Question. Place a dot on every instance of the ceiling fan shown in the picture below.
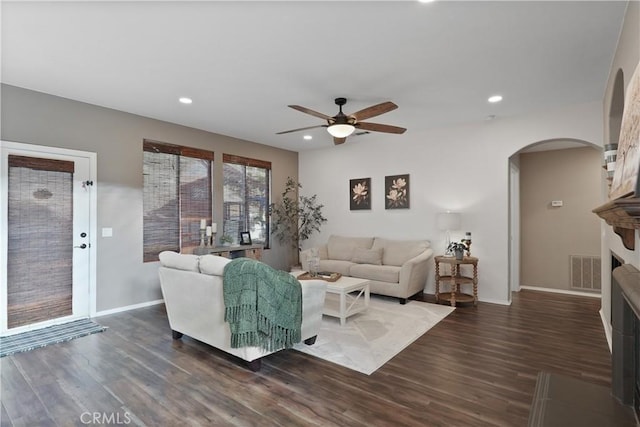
(341, 125)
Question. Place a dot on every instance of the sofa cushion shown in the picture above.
(382, 273)
(335, 266)
(397, 252)
(213, 264)
(178, 261)
(341, 247)
(367, 256)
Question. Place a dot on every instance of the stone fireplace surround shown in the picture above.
(625, 322)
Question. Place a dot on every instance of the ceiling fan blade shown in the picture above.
(374, 110)
(338, 141)
(299, 129)
(308, 111)
(377, 127)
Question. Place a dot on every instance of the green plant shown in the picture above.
(457, 247)
(295, 218)
(226, 239)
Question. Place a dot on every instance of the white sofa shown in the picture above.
(192, 290)
(396, 268)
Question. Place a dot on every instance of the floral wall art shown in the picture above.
(360, 194)
(396, 192)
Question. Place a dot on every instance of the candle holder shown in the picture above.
(467, 241)
(202, 233)
(213, 239)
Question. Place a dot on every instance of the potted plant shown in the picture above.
(295, 218)
(226, 240)
(457, 248)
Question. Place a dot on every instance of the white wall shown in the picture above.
(463, 168)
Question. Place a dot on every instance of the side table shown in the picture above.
(455, 278)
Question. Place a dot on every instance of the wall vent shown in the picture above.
(585, 273)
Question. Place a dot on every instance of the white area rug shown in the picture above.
(370, 339)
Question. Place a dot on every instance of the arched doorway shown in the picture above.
(551, 226)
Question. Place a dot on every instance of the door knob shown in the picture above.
(82, 246)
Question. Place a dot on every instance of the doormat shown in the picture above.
(51, 335)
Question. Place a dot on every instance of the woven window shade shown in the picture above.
(177, 195)
(195, 199)
(160, 204)
(40, 207)
(246, 197)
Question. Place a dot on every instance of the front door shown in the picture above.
(46, 194)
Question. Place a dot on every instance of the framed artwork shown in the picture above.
(360, 194)
(625, 177)
(245, 238)
(396, 192)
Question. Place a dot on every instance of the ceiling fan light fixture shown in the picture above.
(341, 130)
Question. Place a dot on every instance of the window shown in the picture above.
(246, 198)
(177, 195)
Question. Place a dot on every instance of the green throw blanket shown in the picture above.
(262, 305)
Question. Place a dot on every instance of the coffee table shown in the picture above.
(352, 297)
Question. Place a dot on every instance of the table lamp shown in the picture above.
(448, 221)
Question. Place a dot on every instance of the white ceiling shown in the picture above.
(243, 62)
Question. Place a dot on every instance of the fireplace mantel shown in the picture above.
(624, 216)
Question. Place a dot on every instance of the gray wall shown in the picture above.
(549, 235)
(122, 278)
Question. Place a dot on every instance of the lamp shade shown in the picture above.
(340, 130)
(449, 221)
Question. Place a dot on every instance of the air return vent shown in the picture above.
(585, 273)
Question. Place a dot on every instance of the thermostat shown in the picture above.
(556, 203)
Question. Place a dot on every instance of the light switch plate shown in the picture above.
(107, 232)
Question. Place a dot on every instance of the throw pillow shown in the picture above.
(367, 256)
(213, 265)
(178, 261)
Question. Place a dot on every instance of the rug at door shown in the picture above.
(51, 335)
(372, 338)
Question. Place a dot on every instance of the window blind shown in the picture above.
(246, 197)
(40, 214)
(177, 195)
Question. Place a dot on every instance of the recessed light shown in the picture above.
(495, 98)
(185, 100)
(307, 137)
(426, 1)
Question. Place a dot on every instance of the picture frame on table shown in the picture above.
(245, 238)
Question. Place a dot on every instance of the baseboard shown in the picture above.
(495, 301)
(128, 307)
(608, 331)
(562, 291)
(432, 297)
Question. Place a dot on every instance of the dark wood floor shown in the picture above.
(478, 367)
